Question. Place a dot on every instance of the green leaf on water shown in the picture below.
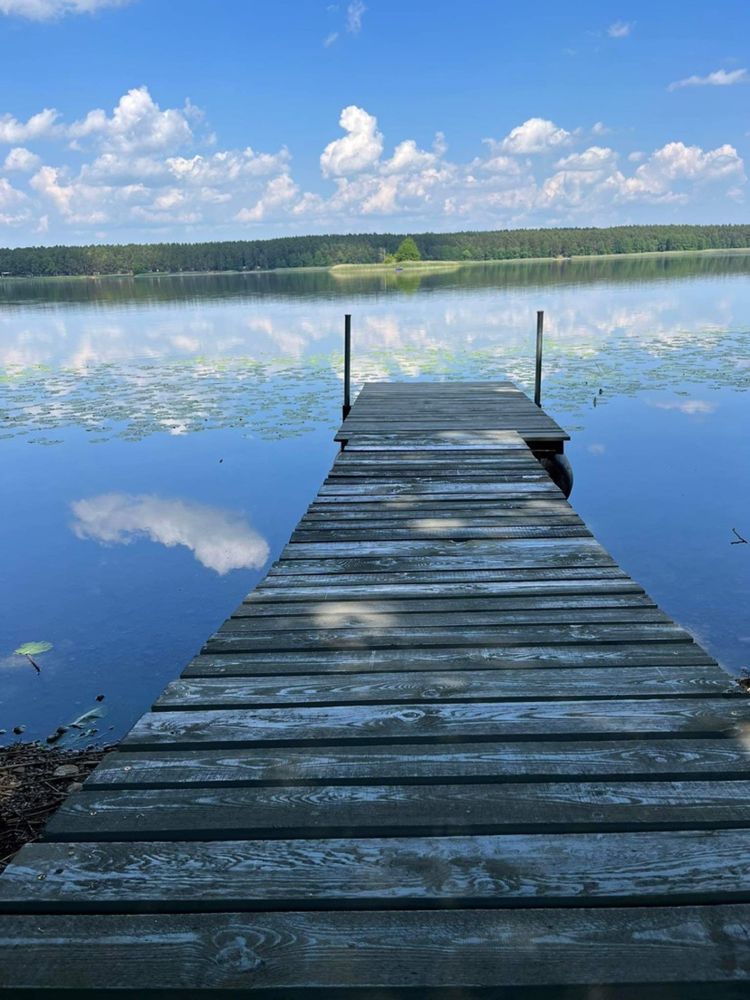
(33, 648)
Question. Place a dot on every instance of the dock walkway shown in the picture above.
(447, 748)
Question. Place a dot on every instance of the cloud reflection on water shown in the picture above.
(219, 539)
(269, 365)
(691, 407)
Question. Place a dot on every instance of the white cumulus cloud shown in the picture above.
(359, 148)
(280, 191)
(675, 161)
(137, 124)
(144, 170)
(535, 135)
(13, 204)
(37, 127)
(22, 160)
(408, 156)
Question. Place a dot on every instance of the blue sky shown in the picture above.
(153, 120)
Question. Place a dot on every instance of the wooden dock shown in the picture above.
(447, 748)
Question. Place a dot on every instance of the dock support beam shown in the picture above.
(347, 365)
(538, 371)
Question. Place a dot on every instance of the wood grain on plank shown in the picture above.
(672, 948)
(467, 762)
(239, 640)
(450, 533)
(596, 598)
(446, 685)
(528, 550)
(406, 593)
(226, 662)
(363, 619)
(571, 869)
(431, 580)
(298, 811)
(437, 721)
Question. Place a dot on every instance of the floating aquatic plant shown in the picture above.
(32, 649)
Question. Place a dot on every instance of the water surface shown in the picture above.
(161, 436)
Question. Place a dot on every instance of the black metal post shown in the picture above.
(347, 365)
(538, 373)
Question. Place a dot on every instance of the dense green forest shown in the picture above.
(126, 289)
(325, 251)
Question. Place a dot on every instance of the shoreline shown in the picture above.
(344, 270)
(36, 780)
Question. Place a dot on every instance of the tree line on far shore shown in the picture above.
(368, 248)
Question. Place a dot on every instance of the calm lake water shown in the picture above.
(161, 436)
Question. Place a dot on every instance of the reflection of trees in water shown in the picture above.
(22, 293)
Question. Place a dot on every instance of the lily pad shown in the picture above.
(33, 648)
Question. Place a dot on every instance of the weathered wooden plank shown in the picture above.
(443, 441)
(297, 811)
(438, 721)
(614, 656)
(571, 869)
(533, 435)
(352, 516)
(526, 549)
(394, 405)
(432, 480)
(413, 456)
(552, 760)
(389, 568)
(334, 610)
(453, 534)
(410, 410)
(484, 513)
(244, 639)
(375, 461)
(685, 953)
(340, 497)
(387, 515)
(511, 553)
(446, 685)
(470, 563)
(430, 420)
(426, 423)
(454, 574)
(530, 429)
(404, 592)
(363, 619)
(406, 397)
(468, 472)
(334, 492)
(493, 471)
(406, 400)
(447, 504)
(419, 420)
(480, 385)
(459, 527)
